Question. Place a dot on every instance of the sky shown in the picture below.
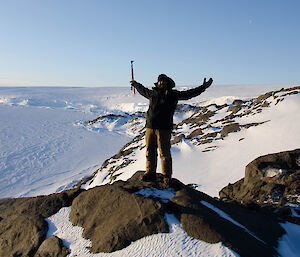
(90, 43)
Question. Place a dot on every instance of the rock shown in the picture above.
(206, 224)
(283, 160)
(113, 216)
(22, 226)
(237, 102)
(233, 127)
(236, 106)
(21, 234)
(262, 98)
(231, 191)
(177, 139)
(249, 125)
(284, 211)
(52, 247)
(198, 117)
(45, 205)
(271, 179)
(209, 135)
(196, 132)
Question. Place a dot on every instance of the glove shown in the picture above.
(208, 83)
(133, 82)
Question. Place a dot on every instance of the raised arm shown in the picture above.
(188, 94)
(141, 89)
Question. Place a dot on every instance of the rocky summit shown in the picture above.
(114, 215)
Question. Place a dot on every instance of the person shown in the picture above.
(163, 100)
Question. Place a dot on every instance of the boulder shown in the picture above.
(233, 127)
(22, 224)
(113, 216)
(52, 247)
(200, 217)
(271, 179)
(236, 106)
(195, 133)
(43, 205)
(21, 234)
(262, 98)
(288, 161)
(177, 139)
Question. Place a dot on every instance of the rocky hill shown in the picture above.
(202, 126)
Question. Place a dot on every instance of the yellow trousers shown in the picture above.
(161, 139)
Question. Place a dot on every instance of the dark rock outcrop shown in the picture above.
(199, 215)
(113, 215)
(236, 106)
(229, 128)
(22, 224)
(271, 179)
(21, 234)
(177, 139)
(52, 247)
(196, 132)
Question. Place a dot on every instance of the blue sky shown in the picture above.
(91, 43)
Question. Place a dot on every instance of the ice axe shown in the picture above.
(132, 77)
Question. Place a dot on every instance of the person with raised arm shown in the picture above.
(163, 100)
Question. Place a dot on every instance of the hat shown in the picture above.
(170, 82)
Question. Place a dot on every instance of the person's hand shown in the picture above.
(208, 83)
(132, 82)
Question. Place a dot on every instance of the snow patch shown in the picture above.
(273, 172)
(289, 245)
(130, 107)
(163, 195)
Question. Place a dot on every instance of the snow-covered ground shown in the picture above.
(42, 150)
(43, 147)
(46, 148)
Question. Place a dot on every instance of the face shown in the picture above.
(162, 83)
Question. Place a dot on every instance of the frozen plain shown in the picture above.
(43, 150)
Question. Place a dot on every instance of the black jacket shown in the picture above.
(163, 104)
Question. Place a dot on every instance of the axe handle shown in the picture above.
(132, 77)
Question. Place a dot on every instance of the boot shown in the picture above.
(148, 177)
